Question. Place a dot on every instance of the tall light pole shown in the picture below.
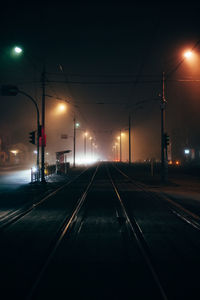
(163, 150)
(129, 138)
(74, 138)
(85, 143)
(43, 128)
(76, 125)
(120, 145)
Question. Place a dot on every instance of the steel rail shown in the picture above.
(177, 209)
(14, 216)
(139, 237)
(64, 229)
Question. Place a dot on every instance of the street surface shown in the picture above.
(103, 236)
(12, 178)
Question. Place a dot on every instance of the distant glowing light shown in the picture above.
(77, 125)
(34, 169)
(187, 151)
(188, 54)
(89, 159)
(86, 134)
(14, 152)
(35, 151)
(18, 50)
(177, 162)
(61, 107)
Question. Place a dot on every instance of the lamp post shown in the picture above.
(120, 145)
(76, 125)
(164, 161)
(129, 138)
(43, 129)
(85, 143)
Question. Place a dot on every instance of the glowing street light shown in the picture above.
(61, 107)
(76, 126)
(188, 54)
(18, 50)
(187, 151)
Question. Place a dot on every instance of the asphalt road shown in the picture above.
(44, 256)
(11, 178)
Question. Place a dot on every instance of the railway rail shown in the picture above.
(88, 241)
(14, 215)
(72, 227)
(177, 209)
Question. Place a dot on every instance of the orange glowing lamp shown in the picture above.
(188, 54)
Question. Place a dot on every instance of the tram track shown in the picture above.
(48, 244)
(99, 241)
(136, 231)
(65, 227)
(13, 216)
(177, 209)
(71, 231)
(183, 261)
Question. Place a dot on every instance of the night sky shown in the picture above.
(103, 59)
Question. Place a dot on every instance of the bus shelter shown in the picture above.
(62, 165)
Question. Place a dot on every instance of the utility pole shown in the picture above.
(129, 137)
(120, 141)
(85, 141)
(74, 154)
(163, 147)
(91, 146)
(43, 129)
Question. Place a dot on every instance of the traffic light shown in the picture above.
(32, 137)
(166, 140)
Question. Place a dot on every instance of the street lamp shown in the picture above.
(76, 125)
(18, 50)
(188, 54)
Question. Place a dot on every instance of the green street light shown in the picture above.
(18, 50)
